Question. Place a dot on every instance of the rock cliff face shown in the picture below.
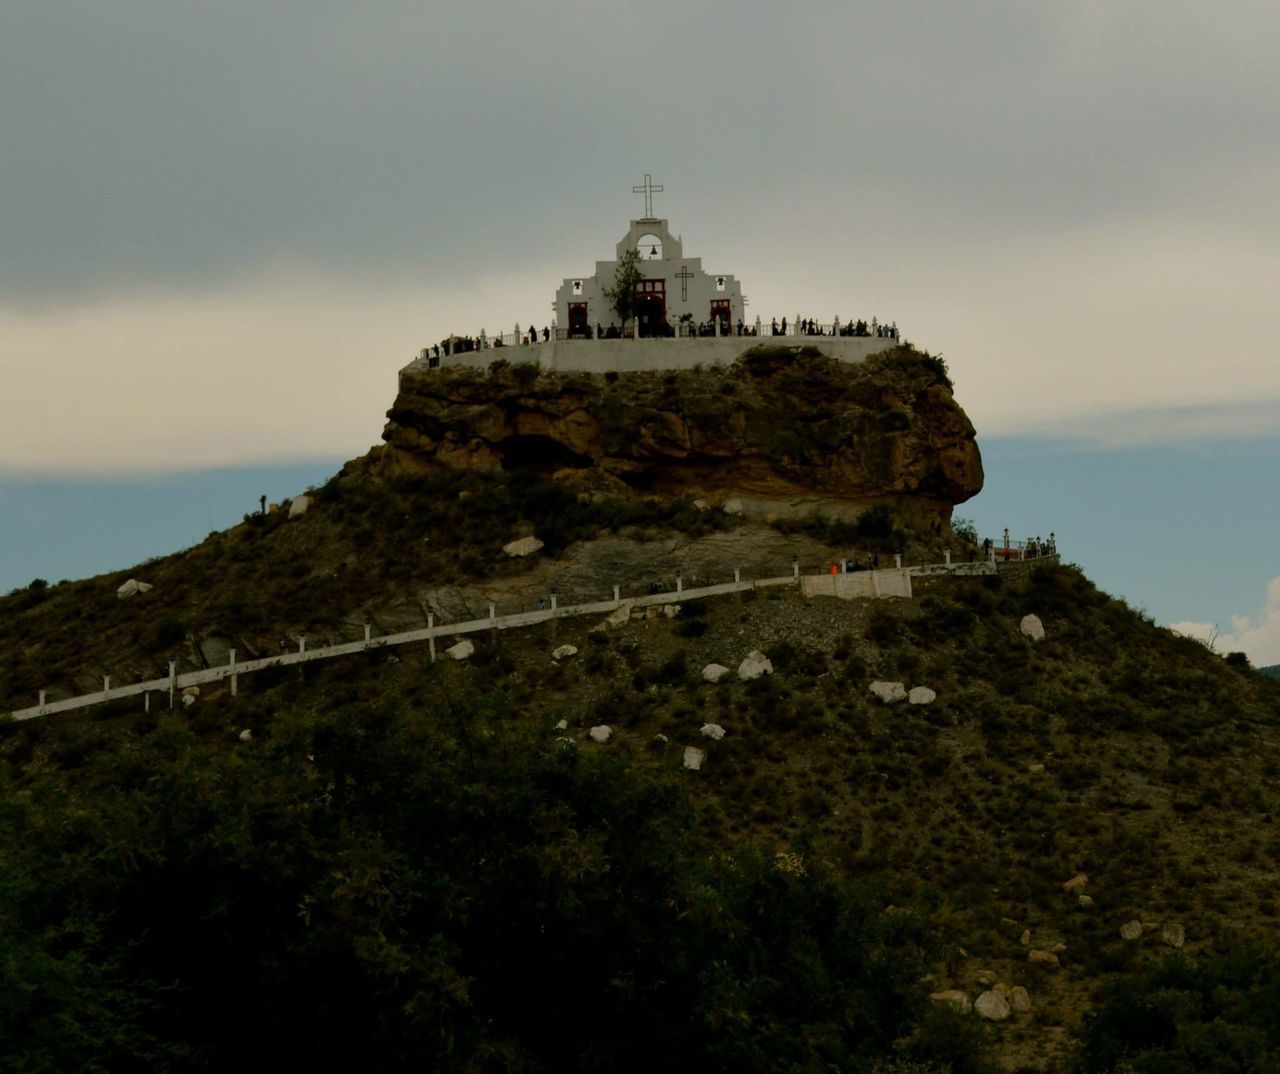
(783, 429)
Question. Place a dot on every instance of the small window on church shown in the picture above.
(719, 283)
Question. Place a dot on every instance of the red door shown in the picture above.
(651, 307)
(722, 311)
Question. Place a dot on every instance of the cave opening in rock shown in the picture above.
(539, 454)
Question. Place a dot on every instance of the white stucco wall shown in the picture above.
(691, 294)
(636, 355)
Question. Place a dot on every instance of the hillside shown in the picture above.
(406, 864)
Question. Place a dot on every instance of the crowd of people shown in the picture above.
(859, 328)
(1032, 548)
(687, 328)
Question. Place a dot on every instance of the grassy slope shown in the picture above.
(1160, 761)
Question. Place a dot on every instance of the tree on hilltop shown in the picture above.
(622, 295)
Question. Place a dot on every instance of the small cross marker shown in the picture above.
(684, 276)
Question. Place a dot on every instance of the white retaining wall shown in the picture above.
(858, 585)
(638, 355)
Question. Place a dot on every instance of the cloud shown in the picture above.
(199, 142)
(277, 368)
(1258, 636)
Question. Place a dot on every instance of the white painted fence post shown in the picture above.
(946, 556)
(493, 616)
(795, 567)
(679, 582)
(431, 625)
(553, 601)
(737, 576)
(146, 701)
(41, 702)
(235, 679)
(173, 681)
(368, 633)
(106, 687)
(617, 596)
(302, 643)
(897, 560)
(875, 583)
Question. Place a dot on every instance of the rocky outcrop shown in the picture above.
(781, 427)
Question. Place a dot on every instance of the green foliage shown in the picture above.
(937, 366)
(377, 889)
(1185, 1017)
(622, 295)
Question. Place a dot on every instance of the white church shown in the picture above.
(683, 317)
(674, 290)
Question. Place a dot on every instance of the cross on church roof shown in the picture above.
(648, 190)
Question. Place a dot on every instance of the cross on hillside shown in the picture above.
(648, 190)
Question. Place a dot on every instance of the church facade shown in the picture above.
(674, 290)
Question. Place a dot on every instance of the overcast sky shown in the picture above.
(223, 227)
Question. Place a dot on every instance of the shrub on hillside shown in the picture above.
(317, 900)
(1186, 1017)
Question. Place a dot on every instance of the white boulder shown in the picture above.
(463, 650)
(889, 691)
(1032, 628)
(715, 672)
(298, 506)
(188, 700)
(921, 695)
(246, 735)
(701, 505)
(562, 725)
(1020, 999)
(671, 610)
(992, 1006)
(713, 731)
(732, 507)
(525, 546)
(754, 665)
(693, 757)
(619, 617)
(563, 652)
(601, 732)
(1131, 930)
(132, 588)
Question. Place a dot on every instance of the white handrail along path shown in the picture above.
(894, 581)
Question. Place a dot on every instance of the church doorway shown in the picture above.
(651, 308)
(722, 311)
(578, 320)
